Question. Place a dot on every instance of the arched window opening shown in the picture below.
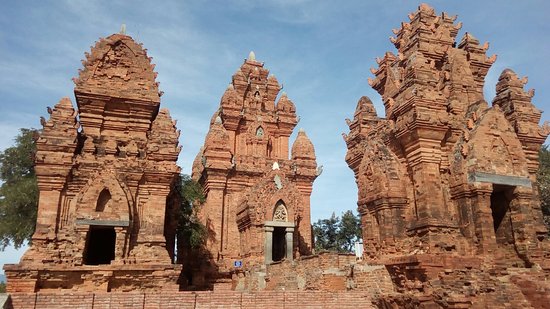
(280, 213)
(260, 132)
(103, 199)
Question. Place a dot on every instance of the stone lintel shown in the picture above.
(102, 222)
(279, 224)
(499, 179)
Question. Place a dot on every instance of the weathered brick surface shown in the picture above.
(259, 300)
(105, 173)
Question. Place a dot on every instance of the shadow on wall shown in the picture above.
(199, 266)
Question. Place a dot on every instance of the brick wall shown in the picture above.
(203, 299)
(328, 272)
(372, 278)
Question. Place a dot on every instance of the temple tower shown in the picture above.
(444, 172)
(105, 175)
(257, 206)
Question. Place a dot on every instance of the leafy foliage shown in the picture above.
(19, 191)
(325, 232)
(337, 234)
(349, 231)
(2, 287)
(543, 179)
(190, 230)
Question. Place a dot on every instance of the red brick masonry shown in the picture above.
(203, 299)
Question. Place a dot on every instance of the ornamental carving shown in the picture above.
(280, 213)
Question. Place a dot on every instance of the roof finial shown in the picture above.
(123, 29)
(252, 56)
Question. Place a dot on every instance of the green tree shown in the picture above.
(543, 179)
(325, 232)
(349, 231)
(191, 232)
(337, 234)
(2, 287)
(19, 191)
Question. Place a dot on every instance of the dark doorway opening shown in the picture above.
(279, 243)
(100, 245)
(501, 197)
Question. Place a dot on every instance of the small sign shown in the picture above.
(358, 250)
(238, 264)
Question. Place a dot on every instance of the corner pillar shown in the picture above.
(483, 221)
(120, 244)
(268, 252)
(289, 236)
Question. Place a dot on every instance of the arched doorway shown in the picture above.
(279, 235)
(501, 197)
(100, 245)
(279, 243)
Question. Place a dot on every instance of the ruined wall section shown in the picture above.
(326, 271)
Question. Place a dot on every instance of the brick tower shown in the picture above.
(443, 162)
(105, 175)
(445, 180)
(257, 206)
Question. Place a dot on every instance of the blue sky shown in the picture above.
(321, 51)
